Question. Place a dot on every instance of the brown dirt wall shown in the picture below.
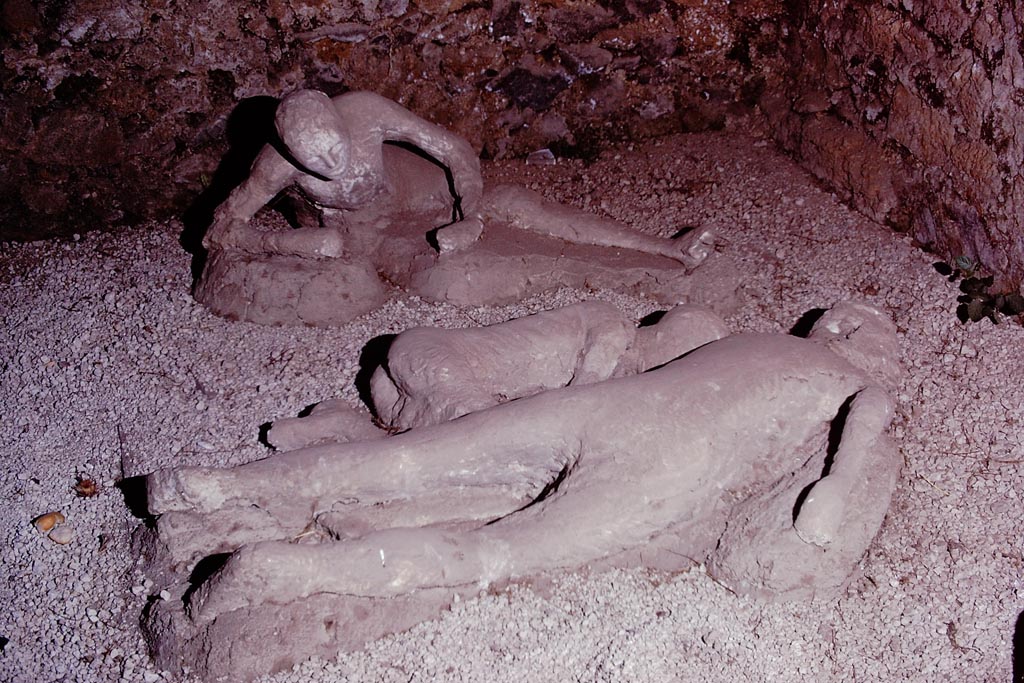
(114, 110)
(912, 110)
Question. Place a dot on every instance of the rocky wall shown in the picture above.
(912, 110)
(116, 110)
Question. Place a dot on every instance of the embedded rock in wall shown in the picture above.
(911, 111)
(117, 111)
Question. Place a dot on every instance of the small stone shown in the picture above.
(85, 487)
(62, 535)
(460, 235)
(541, 157)
(45, 523)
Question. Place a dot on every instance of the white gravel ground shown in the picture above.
(110, 369)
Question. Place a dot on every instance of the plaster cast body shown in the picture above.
(380, 179)
(718, 456)
(432, 375)
(337, 148)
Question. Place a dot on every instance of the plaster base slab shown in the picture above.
(505, 265)
(288, 290)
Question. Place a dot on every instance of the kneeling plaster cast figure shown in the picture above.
(765, 456)
(381, 181)
(334, 151)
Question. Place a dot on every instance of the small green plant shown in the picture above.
(965, 266)
(978, 301)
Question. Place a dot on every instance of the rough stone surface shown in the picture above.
(912, 110)
(766, 456)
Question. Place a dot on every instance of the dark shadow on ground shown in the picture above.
(264, 433)
(803, 326)
(133, 489)
(1018, 650)
(651, 319)
(835, 436)
(374, 354)
(250, 126)
(203, 570)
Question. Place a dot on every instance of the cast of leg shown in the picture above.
(331, 420)
(189, 536)
(476, 451)
(384, 563)
(306, 242)
(563, 531)
(530, 211)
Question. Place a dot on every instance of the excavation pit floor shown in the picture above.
(111, 370)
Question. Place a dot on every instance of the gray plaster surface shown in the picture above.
(112, 370)
(433, 374)
(763, 455)
(387, 201)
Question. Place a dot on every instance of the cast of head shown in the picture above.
(312, 130)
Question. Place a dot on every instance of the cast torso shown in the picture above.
(743, 409)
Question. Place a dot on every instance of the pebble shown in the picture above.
(62, 535)
(44, 523)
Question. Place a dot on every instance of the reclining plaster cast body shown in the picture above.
(336, 149)
(432, 374)
(720, 454)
